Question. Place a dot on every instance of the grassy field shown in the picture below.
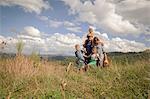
(128, 76)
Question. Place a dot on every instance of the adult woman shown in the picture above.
(99, 45)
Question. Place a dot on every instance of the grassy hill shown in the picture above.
(128, 76)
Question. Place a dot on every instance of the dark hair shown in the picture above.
(95, 39)
(87, 36)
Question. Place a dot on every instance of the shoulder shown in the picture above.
(86, 40)
(78, 52)
(92, 54)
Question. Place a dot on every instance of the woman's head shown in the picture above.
(96, 40)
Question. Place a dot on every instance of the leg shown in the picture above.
(86, 67)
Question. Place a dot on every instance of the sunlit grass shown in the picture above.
(128, 76)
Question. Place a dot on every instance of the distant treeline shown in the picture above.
(116, 55)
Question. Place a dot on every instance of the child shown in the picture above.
(99, 45)
(93, 57)
(91, 32)
(80, 59)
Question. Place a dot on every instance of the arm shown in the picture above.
(98, 56)
(84, 45)
(83, 50)
(101, 42)
(87, 56)
(103, 49)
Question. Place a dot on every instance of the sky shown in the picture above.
(55, 26)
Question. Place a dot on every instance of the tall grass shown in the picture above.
(127, 77)
(19, 47)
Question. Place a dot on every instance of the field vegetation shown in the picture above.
(128, 76)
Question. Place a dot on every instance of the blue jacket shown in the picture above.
(88, 46)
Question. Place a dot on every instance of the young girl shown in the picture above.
(94, 56)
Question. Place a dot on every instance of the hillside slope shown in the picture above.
(29, 77)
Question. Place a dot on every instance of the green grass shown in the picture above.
(128, 76)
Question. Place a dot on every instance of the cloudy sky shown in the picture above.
(55, 26)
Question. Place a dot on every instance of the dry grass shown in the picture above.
(28, 77)
(23, 71)
(20, 67)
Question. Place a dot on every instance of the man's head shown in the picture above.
(90, 37)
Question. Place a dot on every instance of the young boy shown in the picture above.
(80, 59)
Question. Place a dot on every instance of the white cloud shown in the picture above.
(137, 12)
(63, 44)
(31, 31)
(26, 37)
(28, 5)
(115, 16)
(59, 44)
(44, 18)
(68, 25)
(124, 45)
(74, 29)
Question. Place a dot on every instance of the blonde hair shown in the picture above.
(94, 48)
(90, 30)
(77, 45)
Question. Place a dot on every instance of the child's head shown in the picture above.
(90, 30)
(77, 47)
(94, 50)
